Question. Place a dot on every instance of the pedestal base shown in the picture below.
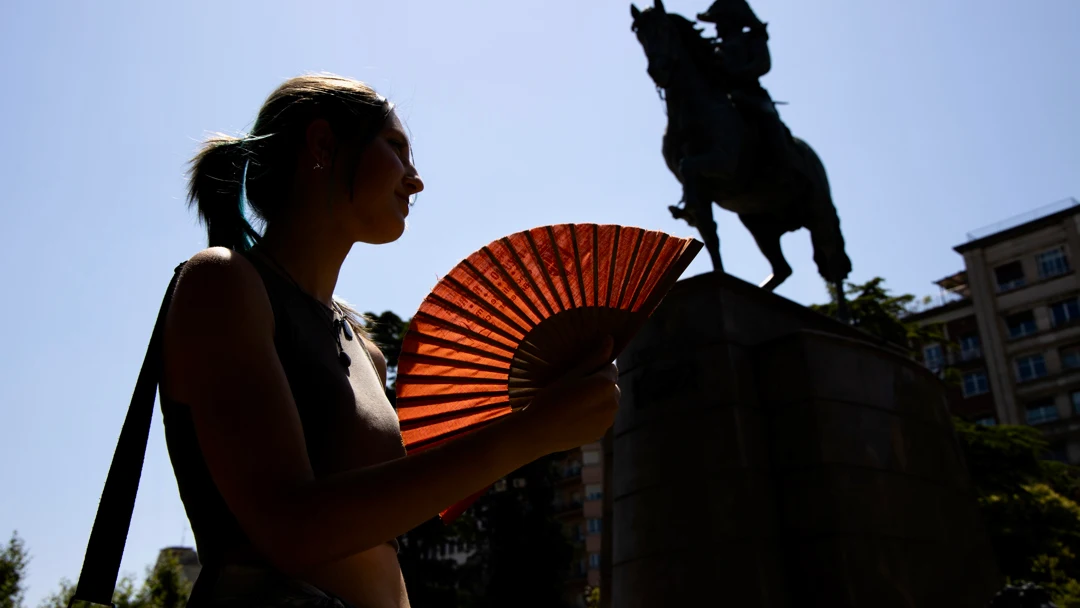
(765, 455)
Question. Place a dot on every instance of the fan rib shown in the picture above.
(528, 276)
(611, 264)
(671, 275)
(464, 331)
(448, 362)
(561, 267)
(596, 265)
(452, 345)
(648, 269)
(506, 300)
(542, 268)
(471, 316)
(577, 266)
(513, 284)
(527, 352)
(629, 268)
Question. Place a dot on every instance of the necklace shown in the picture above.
(339, 324)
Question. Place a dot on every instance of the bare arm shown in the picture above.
(220, 360)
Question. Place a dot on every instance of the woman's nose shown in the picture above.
(413, 183)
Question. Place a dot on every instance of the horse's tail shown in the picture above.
(824, 224)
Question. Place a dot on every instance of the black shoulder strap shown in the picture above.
(109, 535)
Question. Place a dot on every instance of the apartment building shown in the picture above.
(1012, 324)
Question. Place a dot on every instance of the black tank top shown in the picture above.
(326, 394)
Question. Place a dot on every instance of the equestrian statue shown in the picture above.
(726, 144)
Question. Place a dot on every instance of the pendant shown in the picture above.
(344, 358)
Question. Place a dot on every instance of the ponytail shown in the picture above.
(218, 173)
(258, 169)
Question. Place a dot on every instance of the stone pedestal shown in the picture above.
(765, 455)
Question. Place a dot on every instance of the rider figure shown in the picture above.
(743, 48)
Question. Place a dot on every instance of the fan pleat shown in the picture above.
(542, 296)
(431, 345)
(491, 296)
(613, 262)
(517, 314)
(463, 333)
(447, 363)
(513, 283)
(449, 429)
(511, 336)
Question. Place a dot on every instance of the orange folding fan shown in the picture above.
(521, 312)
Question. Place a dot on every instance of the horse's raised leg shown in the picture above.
(767, 233)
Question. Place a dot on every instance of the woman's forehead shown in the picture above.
(393, 123)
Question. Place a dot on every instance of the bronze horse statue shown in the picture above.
(712, 151)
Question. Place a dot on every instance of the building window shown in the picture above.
(987, 421)
(1009, 276)
(1070, 357)
(594, 491)
(1042, 412)
(1065, 312)
(596, 525)
(594, 561)
(500, 486)
(1030, 367)
(519, 482)
(970, 347)
(1052, 263)
(1021, 324)
(1075, 398)
(933, 357)
(591, 457)
(975, 383)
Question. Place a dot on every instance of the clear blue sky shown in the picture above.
(933, 118)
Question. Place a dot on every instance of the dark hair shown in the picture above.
(259, 166)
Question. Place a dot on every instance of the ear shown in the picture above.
(319, 140)
(659, 4)
(634, 12)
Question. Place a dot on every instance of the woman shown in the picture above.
(287, 454)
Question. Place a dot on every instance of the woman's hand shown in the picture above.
(576, 409)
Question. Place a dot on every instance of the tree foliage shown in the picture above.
(163, 587)
(13, 562)
(1028, 505)
(876, 311)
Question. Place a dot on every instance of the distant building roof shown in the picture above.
(1019, 224)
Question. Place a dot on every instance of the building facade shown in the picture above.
(1011, 322)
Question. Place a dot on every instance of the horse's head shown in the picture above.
(660, 40)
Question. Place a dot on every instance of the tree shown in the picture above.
(526, 558)
(387, 331)
(1028, 505)
(877, 312)
(13, 562)
(164, 587)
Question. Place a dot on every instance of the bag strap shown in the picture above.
(101, 565)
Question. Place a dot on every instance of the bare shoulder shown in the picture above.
(216, 280)
(219, 308)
